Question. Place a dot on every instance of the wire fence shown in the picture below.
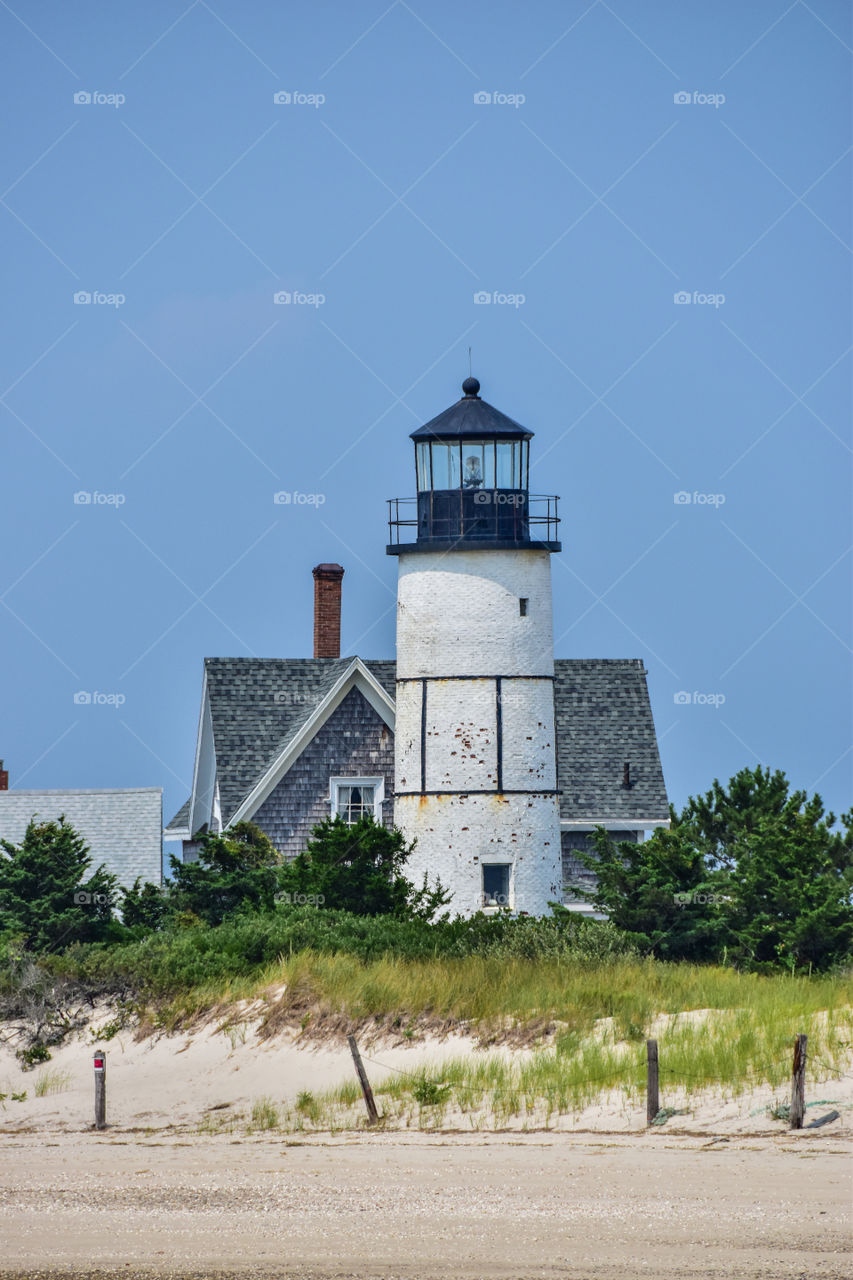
(760, 1075)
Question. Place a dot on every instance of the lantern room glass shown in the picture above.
(445, 466)
(471, 464)
(422, 455)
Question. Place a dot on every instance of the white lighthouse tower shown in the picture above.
(475, 749)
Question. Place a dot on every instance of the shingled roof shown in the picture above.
(604, 720)
(603, 716)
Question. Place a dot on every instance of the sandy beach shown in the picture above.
(723, 1191)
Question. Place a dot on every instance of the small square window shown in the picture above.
(496, 884)
(355, 798)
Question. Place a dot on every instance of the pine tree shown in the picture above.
(753, 871)
(48, 898)
(359, 868)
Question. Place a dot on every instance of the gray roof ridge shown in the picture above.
(75, 791)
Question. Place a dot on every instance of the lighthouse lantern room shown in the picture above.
(475, 753)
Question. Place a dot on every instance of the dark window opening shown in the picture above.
(522, 605)
(496, 884)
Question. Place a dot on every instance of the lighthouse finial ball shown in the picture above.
(471, 387)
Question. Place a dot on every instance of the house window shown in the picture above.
(353, 798)
(496, 884)
(523, 602)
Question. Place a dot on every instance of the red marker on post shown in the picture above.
(100, 1065)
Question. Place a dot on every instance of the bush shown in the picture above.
(167, 962)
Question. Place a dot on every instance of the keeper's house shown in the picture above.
(495, 757)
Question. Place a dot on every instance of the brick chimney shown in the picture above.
(327, 610)
(4, 778)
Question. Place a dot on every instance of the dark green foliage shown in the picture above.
(235, 871)
(359, 868)
(48, 898)
(32, 1056)
(144, 906)
(177, 959)
(754, 873)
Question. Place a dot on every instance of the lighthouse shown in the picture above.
(475, 749)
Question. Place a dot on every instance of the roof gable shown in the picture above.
(264, 710)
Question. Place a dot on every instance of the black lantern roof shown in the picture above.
(471, 417)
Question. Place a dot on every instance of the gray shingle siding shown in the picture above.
(123, 828)
(354, 742)
(575, 872)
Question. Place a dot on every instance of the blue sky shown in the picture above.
(582, 197)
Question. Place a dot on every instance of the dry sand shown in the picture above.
(718, 1193)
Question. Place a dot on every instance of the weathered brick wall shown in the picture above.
(458, 615)
(354, 742)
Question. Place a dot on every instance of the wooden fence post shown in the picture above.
(100, 1065)
(798, 1083)
(652, 1081)
(372, 1113)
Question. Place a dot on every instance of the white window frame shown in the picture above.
(378, 783)
(498, 862)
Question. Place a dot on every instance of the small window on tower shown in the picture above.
(496, 884)
(522, 606)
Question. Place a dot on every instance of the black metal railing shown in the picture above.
(485, 515)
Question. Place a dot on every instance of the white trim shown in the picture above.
(201, 721)
(613, 824)
(176, 833)
(356, 676)
(377, 781)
